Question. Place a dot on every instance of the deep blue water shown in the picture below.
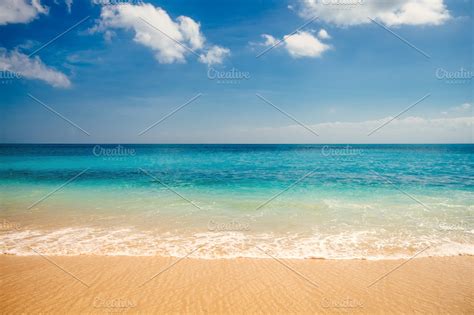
(237, 166)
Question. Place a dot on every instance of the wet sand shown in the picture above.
(104, 284)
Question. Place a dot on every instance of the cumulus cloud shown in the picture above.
(155, 29)
(300, 44)
(323, 34)
(31, 68)
(304, 44)
(215, 55)
(391, 13)
(191, 32)
(20, 11)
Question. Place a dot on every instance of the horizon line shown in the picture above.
(228, 143)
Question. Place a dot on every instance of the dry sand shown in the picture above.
(100, 284)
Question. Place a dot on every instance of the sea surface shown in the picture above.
(226, 201)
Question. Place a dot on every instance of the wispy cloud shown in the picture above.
(459, 110)
(408, 130)
(412, 129)
(68, 5)
(32, 68)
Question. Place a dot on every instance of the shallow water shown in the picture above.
(298, 201)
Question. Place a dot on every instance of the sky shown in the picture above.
(296, 71)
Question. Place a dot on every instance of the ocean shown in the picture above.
(292, 201)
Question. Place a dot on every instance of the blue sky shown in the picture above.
(113, 75)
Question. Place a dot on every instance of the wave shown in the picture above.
(368, 244)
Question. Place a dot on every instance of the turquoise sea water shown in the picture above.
(298, 201)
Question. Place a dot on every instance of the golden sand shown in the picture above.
(100, 284)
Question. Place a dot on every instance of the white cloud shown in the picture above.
(458, 110)
(407, 130)
(191, 32)
(391, 13)
(214, 55)
(109, 35)
(20, 11)
(269, 40)
(323, 34)
(304, 44)
(465, 106)
(31, 68)
(69, 5)
(184, 30)
(300, 44)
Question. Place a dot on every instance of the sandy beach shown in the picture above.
(101, 284)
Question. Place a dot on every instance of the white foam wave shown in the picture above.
(213, 245)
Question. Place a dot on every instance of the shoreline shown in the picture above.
(145, 284)
(387, 258)
(132, 242)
